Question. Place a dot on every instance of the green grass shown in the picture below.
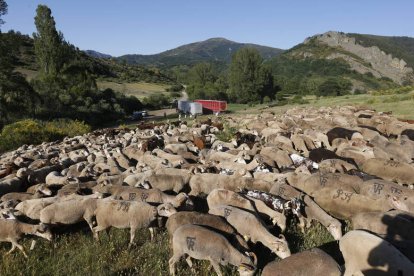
(401, 105)
(29, 74)
(77, 253)
(137, 89)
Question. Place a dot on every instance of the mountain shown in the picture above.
(365, 54)
(21, 50)
(96, 54)
(365, 61)
(211, 50)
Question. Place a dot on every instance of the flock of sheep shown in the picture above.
(328, 165)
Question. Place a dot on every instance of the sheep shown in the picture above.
(137, 178)
(239, 165)
(368, 254)
(12, 230)
(41, 191)
(77, 188)
(252, 229)
(14, 183)
(313, 211)
(393, 225)
(128, 214)
(382, 189)
(175, 160)
(69, 212)
(393, 151)
(176, 148)
(399, 172)
(335, 165)
(31, 208)
(203, 244)
(281, 157)
(152, 196)
(154, 162)
(310, 262)
(219, 197)
(217, 223)
(39, 175)
(205, 183)
(166, 182)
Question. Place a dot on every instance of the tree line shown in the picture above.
(65, 87)
(248, 79)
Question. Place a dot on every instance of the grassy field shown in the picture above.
(29, 74)
(401, 105)
(76, 253)
(137, 89)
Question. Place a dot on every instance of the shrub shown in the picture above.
(35, 132)
(175, 88)
(297, 99)
(334, 87)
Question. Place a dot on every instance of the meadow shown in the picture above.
(137, 89)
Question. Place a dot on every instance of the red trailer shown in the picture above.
(214, 106)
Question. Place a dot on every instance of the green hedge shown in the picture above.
(35, 132)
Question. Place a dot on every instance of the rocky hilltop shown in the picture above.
(363, 59)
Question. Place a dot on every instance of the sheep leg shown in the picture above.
(19, 247)
(88, 218)
(153, 233)
(190, 264)
(131, 241)
(97, 229)
(12, 249)
(171, 263)
(216, 266)
(302, 224)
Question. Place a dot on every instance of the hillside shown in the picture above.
(304, 67)
(22, 53)
(211, 50)
(401, 47)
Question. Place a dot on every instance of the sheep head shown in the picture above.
(43, 231)
(166, 210)
(280, 247)
(246, 270)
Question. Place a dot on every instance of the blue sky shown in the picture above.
(147, 27)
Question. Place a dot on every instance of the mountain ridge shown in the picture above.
(216, 49)
(364, 58)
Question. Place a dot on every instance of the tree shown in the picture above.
(334, 87)
(51, 50)
(250, 79)
(202, 73)
(267, 87)
(244, 76)
(3, 11)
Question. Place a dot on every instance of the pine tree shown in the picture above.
(244, 75)
(50, 46)
(3, 11)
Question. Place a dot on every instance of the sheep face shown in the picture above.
(44, 232)
(280, 247)
(246, 270)
(166, 210)
(44, 190)
(335, 231)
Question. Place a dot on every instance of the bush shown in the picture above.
(35, 132)
(334, 87)
(157, 101)
(175, 88)
(297, 99)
